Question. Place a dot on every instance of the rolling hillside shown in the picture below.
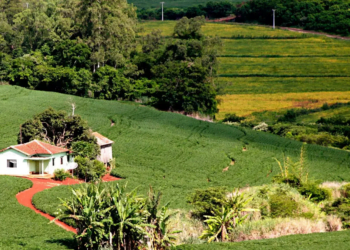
(171, 152)
(260, 60)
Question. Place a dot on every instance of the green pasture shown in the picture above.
(285, 66)
(173, 3)
(269, 85)
(311, 118)
(307, 47)
(315, 241)
(231, 30)
(173, 153)
(21, 227)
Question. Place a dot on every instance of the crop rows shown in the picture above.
(171, 152)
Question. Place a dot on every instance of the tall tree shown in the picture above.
(108, 27)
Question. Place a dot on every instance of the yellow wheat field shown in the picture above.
(245, 104)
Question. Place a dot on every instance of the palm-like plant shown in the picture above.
(218, 224)
(228, 217)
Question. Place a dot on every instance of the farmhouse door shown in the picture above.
(37, 168)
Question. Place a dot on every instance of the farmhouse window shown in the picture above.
(12, 163)
(53, 161)
(68, 158)
(62, 160)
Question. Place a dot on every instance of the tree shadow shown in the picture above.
(69, 243)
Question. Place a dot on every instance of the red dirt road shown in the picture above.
(25, 197)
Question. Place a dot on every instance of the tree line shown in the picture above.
(91, 49)
(320, 15)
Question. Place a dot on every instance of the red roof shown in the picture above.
(37, 148)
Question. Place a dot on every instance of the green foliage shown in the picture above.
(89, 170)
(341, 208)
(189, 28)
(322, 15)
(206, 201)
(225, 218)
(17, 219)
(86, 149)
(346, 190)
(56, 127)
(315, 193)
(232, 118)
(282, 205)
(108, 216)
(60, 175)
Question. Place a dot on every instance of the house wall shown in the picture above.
(50, 168)
(106, 154)
(22, 165)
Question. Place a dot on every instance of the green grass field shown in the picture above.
(21, 227)
(171, 152)
(317, 241)
(172, 3)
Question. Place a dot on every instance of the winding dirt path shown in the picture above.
(25, 197)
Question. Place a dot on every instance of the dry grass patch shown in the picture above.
(273, 228)
(246, 104)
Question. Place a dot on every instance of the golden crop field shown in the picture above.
(245, 104)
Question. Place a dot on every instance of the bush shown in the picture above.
(290, 116)
(86, 149)
(232, 118)
(345, 189)
(291, 180)
(283, 205)
(60, 175)
(207, 200)
(89, 170)
(315, 192)
(340, 208)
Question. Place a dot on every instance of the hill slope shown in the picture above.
(171, 152)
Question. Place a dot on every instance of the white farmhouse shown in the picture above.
(105, 146)
(34, 157)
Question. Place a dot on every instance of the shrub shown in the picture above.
(282, 205)
(232, 118)
(289, 116)
(60, 175)
(89, 170)
(315, 192)
(86, 149)
(340, 208)
(205, 201)
(291, 180)
(345, 190)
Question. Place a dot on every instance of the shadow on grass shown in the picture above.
(68, 243)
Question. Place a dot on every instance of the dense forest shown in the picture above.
(321, 15)
(91, 49)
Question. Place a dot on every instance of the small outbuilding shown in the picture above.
(35, 157)
(105, 147)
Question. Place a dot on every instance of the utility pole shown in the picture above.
(273, 25)
(162, 10)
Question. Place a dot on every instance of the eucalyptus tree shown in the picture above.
(108, 28)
